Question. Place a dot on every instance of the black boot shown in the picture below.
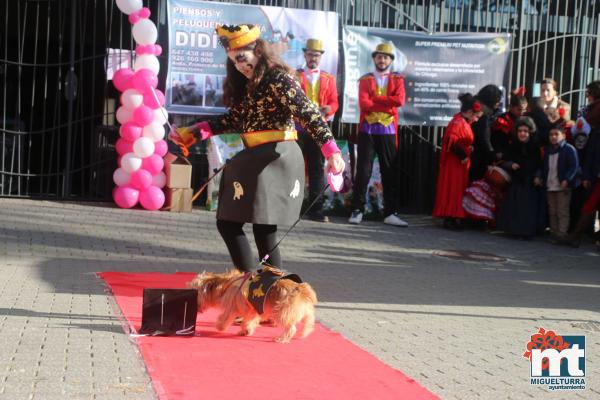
(574, 238)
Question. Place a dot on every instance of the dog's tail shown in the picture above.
(306, 292)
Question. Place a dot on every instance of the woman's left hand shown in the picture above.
(335, 163)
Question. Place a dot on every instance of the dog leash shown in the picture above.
(216, 172)
(266, 257)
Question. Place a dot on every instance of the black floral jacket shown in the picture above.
(275, 104)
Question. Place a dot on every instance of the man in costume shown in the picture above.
(380, 94)
(262, 183)
(320, 88)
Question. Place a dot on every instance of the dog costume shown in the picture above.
(261, 282)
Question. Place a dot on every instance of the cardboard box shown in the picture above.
(179, 199)
(178, 170)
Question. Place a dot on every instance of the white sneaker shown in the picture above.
(356, 217)
(394, 219)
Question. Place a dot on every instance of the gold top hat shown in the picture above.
(384, 48)
(314, 45)
(234, 37)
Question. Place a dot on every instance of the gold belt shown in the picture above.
(253, 139)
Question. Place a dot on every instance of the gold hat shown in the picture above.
(237, 36)
(314, 45)
(384, 48)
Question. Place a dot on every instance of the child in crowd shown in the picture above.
(521, 211)
(560, 176)
(453, 175)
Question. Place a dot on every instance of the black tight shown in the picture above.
(237, 243)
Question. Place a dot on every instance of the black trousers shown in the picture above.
(385, 148)
(237, 243)
(315, 163)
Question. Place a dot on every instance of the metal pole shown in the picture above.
(520, 51)
(67, 174)
(595, 74)
(442, 15)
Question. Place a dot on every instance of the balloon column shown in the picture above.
(141, 147)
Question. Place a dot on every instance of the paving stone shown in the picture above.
(458, 327)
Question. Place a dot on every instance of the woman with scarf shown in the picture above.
(483, 153)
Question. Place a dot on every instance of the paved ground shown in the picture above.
(457, 327)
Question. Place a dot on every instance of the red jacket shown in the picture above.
(370, 102)
(328, 95)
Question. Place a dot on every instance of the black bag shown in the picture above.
(168, 312)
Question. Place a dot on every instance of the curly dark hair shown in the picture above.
(489, 95)
(526, 121)
(593, 90)
(467, 101)
(236, 85)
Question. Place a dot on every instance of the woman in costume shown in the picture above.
(453, 175)
(264, 183)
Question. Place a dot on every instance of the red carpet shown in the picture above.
(221, 365)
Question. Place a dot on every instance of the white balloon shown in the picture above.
(154, 131)
(124, 115)
(132, 99)
(144, 32)
(159, 180)
(130, 162)
(161, 115)
(129, 6)
(147, 61)
(121, 177)
(143, 147)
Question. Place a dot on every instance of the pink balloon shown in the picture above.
(123, 146)
(153, 164)
(143, 115)
(161, 148)
(144, 79)
(144, 12)
(152, 198)
(125, 196)
(141, 179)
(122, 79)
(150, 100)
(130, 131)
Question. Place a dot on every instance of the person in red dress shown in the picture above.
(453, 176)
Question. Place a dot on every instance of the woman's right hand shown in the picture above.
(184, 136)
(515, 166)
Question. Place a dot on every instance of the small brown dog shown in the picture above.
(286, 303)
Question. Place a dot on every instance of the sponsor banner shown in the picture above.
(437, 68)
(196, 63)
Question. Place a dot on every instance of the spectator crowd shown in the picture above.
(531, 170)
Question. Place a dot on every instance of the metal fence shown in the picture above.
(57, 124)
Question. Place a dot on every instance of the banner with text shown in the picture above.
(196, 64)
(437, 68)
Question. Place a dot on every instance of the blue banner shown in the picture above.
(437, 67)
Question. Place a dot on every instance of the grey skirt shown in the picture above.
(263, 185)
